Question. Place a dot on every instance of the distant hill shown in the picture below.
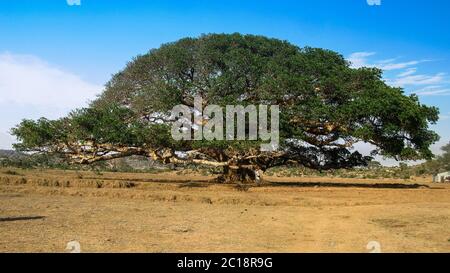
(18, 159)
(11, 154)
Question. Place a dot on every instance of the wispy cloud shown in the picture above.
(74, 2)
(434, 90)
(32, 88)
(395, 66)
(28, 80)
(407, 73)
(409, 78)
(361, 59)
(445, 116)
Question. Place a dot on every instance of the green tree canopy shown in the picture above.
(325, 108)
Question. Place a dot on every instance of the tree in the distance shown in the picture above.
(445, 158)
(441, 163)
(325, 107)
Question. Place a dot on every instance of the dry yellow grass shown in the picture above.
(40, 211)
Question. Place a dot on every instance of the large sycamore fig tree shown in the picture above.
(325, 108)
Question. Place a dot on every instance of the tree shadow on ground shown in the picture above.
(204, 183)
(194, 184)
(346, 185)
(155, 180)
(20, 218)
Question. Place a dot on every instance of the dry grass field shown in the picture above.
(40, 211)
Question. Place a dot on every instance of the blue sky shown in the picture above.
(55, 56)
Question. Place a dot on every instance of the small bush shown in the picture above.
(406, 176)
(97, 172)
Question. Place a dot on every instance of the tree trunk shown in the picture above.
(240, 175)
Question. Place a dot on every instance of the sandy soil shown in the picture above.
(41, 211)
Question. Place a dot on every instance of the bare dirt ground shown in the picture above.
(41, 211)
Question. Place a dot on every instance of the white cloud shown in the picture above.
(408, 75)
(396, 66)
(31, 88)
(359, 59)
(74, 2)
(444, 117)
(387, 61)
(433, 90)
(408, 78)
(28, 80)
(408, 72)
(374, 2)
